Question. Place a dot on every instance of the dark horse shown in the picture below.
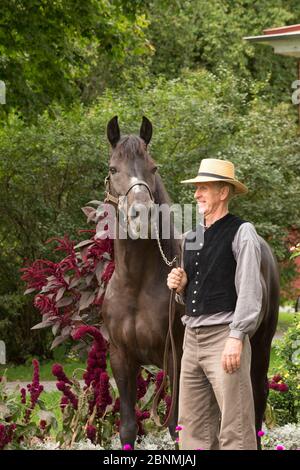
(135, 309)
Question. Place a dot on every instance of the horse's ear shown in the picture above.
(113, 131)
(146, 130)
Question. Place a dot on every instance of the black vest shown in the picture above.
(211, 269)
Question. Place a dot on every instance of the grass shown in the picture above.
(285, 320)
(24, 372)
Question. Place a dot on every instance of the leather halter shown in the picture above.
(114, 199)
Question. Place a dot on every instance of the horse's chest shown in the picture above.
(137, 321)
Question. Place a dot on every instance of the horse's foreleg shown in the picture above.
(125, 374)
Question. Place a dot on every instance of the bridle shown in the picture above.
(116, 200)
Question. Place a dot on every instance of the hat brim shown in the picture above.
(239, 188)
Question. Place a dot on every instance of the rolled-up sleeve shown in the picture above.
(246, 249)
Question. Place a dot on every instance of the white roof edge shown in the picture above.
(266, 37)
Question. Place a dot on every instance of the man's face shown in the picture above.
(209, 197)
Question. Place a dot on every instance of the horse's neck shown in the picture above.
(134, 258)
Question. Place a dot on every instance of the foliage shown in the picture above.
(188, 34)
(91, 411)
(284, 399)
(66, 50)
(17, 426)
(50, 169)
(71, 291)
(287, 436)
(295, 251)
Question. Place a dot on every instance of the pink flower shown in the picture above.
(178, 428)
(127, 447)
(280, 447)
(260, 433)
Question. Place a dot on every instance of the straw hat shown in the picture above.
(212, 169)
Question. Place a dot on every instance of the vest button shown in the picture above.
(194, 310)
(198, 253)
(196, 282)
(196, 263)
(193, 301)
(197, 272)
(195, 292)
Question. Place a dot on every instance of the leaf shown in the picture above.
(101, 235)
(55, 328)
(64, 302)
(57, 341)
(99, 271)
(4, 411)
(66, 331)
(84, 243)
(43, 324)
(98, 203)
(75, 281)
(89, 278)
(86, 299)
(60, 293)
(29, 291)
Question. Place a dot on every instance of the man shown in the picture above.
(220, 285)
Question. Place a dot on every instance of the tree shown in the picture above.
(54, 51)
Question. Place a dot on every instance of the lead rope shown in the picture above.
(169, 342)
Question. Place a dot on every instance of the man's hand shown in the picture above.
(231, 356)
(177, 279)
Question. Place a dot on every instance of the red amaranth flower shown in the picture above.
(63, 244)
(91, 432)
(23, 395)
(43, 424)
(36, 275)
(6, 434)
(141, 416)
(108, 272)
(141, 385)
(63, 387)
(64, 402)
(277, 378)
(35, 389)
(45, 304)
(158, 381)
(58, 372)
(283, 387)
(103, 398)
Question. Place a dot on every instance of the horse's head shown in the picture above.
(132, 178)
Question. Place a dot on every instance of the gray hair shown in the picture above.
(224, 184)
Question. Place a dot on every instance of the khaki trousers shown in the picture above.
(216, 409)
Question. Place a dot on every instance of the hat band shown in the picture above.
(214, 175)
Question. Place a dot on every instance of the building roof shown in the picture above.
(285, 40)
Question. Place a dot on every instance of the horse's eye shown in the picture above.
(112, 170)
(154, 170)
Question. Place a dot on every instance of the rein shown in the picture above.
(170, 342)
